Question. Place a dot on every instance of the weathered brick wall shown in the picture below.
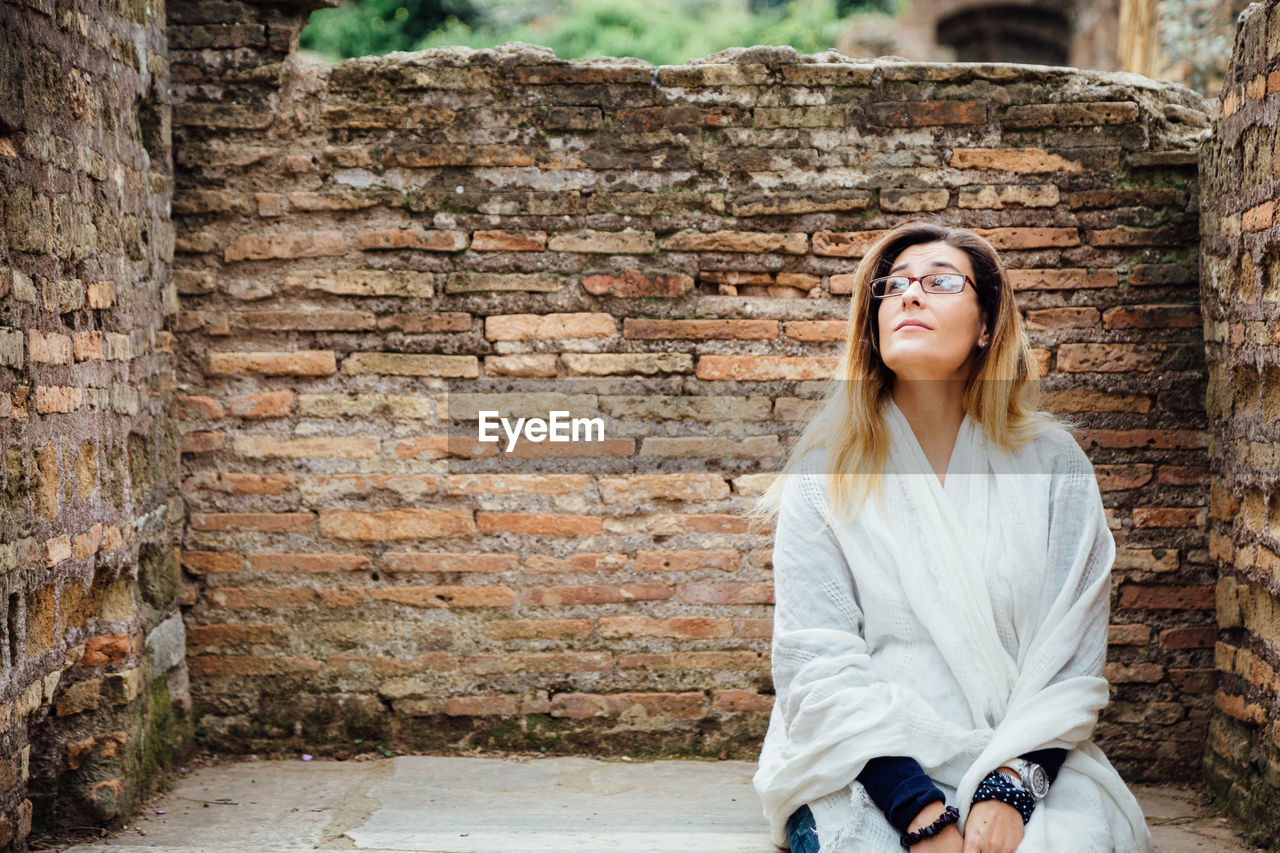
(368, 255)
(1240, 268)
(93, 695)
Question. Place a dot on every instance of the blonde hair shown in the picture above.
(1001, 393)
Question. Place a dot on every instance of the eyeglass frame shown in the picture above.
(920, 278)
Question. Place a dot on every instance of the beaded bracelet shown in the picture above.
(998, 786)
(951, 815)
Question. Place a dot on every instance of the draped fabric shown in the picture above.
(961, 624)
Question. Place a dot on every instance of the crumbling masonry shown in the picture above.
(253, 309)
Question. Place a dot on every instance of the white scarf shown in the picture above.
(961, 625)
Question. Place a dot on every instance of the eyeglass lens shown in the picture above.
(934, 283)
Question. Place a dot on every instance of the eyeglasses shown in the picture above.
(940, 282)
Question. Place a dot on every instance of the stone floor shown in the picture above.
(500, 805)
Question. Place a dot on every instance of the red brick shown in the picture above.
(525, 327)
(741, 700)
(446, 596)
(850, 244)
(308, 563)
(198, 562)
(413, 238)
(1063, 279)
(555, 662)
(255, 633)
(216, 665)
(699, 627)
(299, 363)
(1153, 317)
(1061, 318)
(549, 524)
(1152, 597)
(1030, 238)
(687, 561)
(677, 487)
(1168, 516)
(105, 650)
(308, 244)
(282, 522)
(816, 330)
(927, 113)
(1236, 706)
(1135, 673)
(198, 407)
(726, 593)
(305, 321)
(755, 628)
(202, 442)
(538, 629)
(737, 241)
(479, 706)
(396, 524)
(1259, 217)
(1188, 638)
(243, 598)
(1182, 475)
(579, 562)
(555, 596)
(711, 522)
(1128, 635)
(764, 368)
(509, 241)
(266, 404)
(437, 321)
(1113, 478)
(631, 284)
(1020, 160)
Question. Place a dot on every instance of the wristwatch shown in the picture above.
(1034, 778)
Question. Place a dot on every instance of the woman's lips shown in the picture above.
(911, 324)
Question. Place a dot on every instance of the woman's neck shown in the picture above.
(931, 404)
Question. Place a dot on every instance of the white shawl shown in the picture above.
(963, 626)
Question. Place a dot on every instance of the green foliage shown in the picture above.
(664, 32)
(375, 27)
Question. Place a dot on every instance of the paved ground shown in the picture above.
(496, 805)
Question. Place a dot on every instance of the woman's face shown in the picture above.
(954, 324)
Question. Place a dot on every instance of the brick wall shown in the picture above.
(370, 255)
(1240, 269)
(93, 694)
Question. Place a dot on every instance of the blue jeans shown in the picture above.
(802, 833)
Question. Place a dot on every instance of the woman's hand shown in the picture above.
(992, 827)
(947, 841)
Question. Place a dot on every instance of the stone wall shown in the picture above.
(369, 256)
(93, 695)
(1240, 269)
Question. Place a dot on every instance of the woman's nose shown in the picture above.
(913, 294)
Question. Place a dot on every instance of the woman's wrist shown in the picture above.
(943, 822)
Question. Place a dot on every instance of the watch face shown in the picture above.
(1038, 782)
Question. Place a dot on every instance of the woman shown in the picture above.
(942, 575)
